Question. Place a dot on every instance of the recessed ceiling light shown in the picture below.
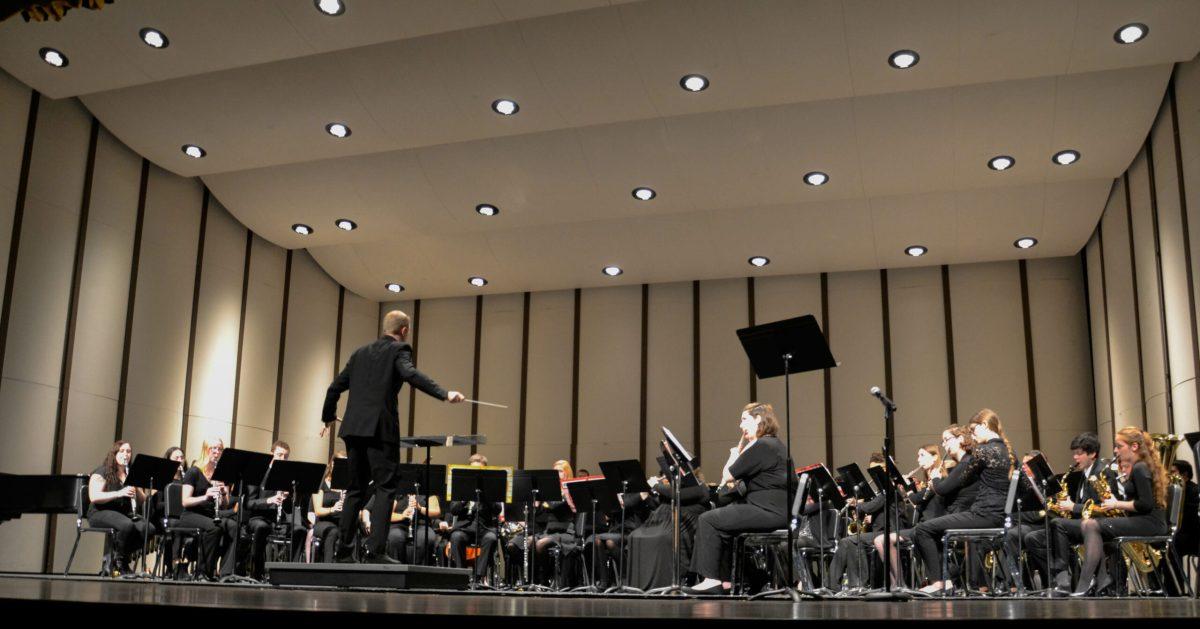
(487, 209)
(337, 130)
(302, 229)
(816, 178)
(694, 82)
(346, 224)
(331, 8)
(612, 270)
(1065, 158)
(1001, 162)
(644, 194)
(759, 261)
(1026, 242)
(916, 251)
(477, 281)
(505, 107)
(53, 57)
(193, 151)
(1131, 33)
(903, 59)
(154, 38)
(395, 288)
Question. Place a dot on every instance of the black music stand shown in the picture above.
(851, 481)
(531, 487)
(299, 478)
(600, 494)
(236, 468)
(436, 487)
(681, 468)
(150, 473)
(425, 480)
(625, 476)
(782, 348)
(479, 485)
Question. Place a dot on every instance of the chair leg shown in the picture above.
(74, 548)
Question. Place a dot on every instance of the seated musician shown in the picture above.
(555, 520)
(266, 510)
(1085, 463)
(202, 499)
(758, 472)
(412, 521)
(1143, 509)
(651, 546)
(327, 512)
(957, 443)
(849, 561)
(991, 463)
(1029, 520)
(636, 507)
(1187, 538)
(117, 506)
(474, 524)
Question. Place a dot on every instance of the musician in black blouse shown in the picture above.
(203, 498)
(991, 463)
(327, 512)
(927, 503)
(757, 472)
(115, 505)
(410, 536)
(1144, 504)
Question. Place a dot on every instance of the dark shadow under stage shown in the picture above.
(118, 601)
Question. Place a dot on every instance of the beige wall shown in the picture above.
(166, 298)
(1160, 392)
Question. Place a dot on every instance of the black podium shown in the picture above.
(783, 348)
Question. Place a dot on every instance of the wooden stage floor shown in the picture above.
(118, 601)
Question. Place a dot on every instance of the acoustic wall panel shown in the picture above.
(856, 339)
(308, 354)
(447, 354)
(14, 118)
(669, 367)
(1122, 322)
(1149, 309)
(1099, 342)
(724, 371)
(609, 375)
(548, 383)
(260, 346)
(500, 376)
(360, 326)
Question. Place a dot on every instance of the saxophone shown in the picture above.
(1138, 555)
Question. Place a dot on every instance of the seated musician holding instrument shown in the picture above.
(115, 505)
(203, 499)
(267, 510)
(326, 512)
(1136, 505)
(412, 521)
(757, 472)
(555, 521)
(474, 524)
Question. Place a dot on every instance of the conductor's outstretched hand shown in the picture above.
(454, 397)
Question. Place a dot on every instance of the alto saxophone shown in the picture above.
(1138, 555)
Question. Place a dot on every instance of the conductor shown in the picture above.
(371, 428)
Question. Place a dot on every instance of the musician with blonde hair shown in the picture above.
(203, 500)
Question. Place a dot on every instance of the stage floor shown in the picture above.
(204, 602)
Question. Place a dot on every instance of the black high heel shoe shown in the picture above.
(1088, 591)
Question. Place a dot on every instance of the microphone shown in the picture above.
(883, 399)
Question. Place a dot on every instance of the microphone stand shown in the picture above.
(889, 493)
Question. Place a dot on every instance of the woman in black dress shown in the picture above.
(327, 511)
(1144, 510)
(990, 465)
(115, 505)
(202, 497)
(757, 471)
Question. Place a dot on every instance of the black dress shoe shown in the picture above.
(381, 559)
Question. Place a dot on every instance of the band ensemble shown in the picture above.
(1121, 521)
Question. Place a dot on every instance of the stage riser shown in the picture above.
(399, 577)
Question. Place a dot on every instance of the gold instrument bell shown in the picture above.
(1139, 555)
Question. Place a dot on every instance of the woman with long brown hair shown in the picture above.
(327, 511)
(990, 464)
(115, 505)
(1145, 487)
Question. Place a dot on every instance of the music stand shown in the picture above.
(600, 494)
(299, 478)
(532, 487)
(237, 468)
(150, 473)
(625, 477)
(429, 442)
(425, 480)
(679, 464)
(478, 485)
(782, 348)
(1028, 494)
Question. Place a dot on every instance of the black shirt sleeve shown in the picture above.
(751, 461)
(410, 374)
(962, 474)
(1139, 477)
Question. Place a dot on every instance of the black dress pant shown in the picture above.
(852, 561)
(214, 538)
(928, 538)
(370, 460)
(398, 543)
(260, 529)
(461, 538)
(129, 533)
(716, 529)
(327, 532)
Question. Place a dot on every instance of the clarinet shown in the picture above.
(217, 509)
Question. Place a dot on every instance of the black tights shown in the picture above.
(1093, 544)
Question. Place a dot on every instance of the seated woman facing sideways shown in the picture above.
(990, 465)
(115, 505)
(757, 476)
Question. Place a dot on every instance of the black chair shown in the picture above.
(1164, 544)
(174, 535)
(82, 502)
(772, 544)
(993, 536)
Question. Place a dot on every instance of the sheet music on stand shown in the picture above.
(675, 451)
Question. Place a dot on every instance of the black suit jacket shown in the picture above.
(374, 375)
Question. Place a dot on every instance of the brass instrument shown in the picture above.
(1138, 555)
